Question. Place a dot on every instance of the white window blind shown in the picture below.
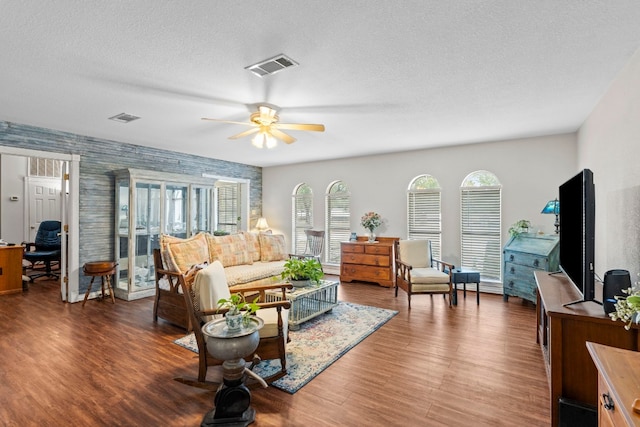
(228, 207)
(424, 217)
(302, 212)
(480, 230)
(338, 217)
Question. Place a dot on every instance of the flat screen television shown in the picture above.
(577, 232)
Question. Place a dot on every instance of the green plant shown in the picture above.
(220, 233)
(303, 269)
(236, 304)
(520, 226)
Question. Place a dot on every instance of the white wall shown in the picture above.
(530, 171)
(13, 170)
(609, 144)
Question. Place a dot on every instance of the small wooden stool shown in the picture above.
(102, 269)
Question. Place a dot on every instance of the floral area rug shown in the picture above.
(318, 343)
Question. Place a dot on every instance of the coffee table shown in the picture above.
(308, 302)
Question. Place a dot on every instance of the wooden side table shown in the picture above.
(102, 269)
(464, 276)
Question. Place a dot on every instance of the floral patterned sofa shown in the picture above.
(249, 259)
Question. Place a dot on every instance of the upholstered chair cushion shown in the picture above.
(415, 253)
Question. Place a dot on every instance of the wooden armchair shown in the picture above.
(417, 272)
(273, 336)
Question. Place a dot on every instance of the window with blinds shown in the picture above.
(424, 217)
(228, 206)
(338, 220)
(480, 219)
(302, 216)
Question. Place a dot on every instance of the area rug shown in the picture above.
(318, 343)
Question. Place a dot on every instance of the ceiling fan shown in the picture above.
(264, 123)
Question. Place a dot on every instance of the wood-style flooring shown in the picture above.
(110, 365)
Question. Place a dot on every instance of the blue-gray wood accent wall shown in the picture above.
(99, 158)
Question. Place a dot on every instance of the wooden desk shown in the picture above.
(563, 332)
(10, 269)
(618, 384)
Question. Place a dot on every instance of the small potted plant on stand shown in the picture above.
(239, 311)
(302, 271)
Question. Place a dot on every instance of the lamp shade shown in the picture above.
(552, 207)
(262, 224)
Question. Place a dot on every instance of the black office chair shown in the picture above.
(46, 249)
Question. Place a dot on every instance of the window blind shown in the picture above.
(424, 219)
(227, 207)
(480, 230)
(302, 219)
(338, 227)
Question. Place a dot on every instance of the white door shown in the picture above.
(44, 202)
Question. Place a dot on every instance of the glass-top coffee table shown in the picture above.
(308, 302)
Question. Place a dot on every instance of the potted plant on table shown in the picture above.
(239, 310)
(302, 271)
(520, 226)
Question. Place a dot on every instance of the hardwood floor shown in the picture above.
(110, 365)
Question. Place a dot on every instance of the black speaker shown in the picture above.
(614, 282)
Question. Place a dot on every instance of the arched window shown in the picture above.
(424, 217)
(302, 216)
(338, 220)
(480, 219)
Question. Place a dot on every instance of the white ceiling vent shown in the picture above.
(272, 65)
(124, 118)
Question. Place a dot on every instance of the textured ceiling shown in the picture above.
(382, 76)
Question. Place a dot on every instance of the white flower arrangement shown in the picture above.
(371, 221)
(628, 308)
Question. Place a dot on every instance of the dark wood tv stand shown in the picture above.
(563, 332)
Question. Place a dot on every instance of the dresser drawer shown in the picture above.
(365, 273)
(611, 416)
(352, 248)
(532, 260)
(352, 258)
(374, 249)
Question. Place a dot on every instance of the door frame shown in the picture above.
(69, 291)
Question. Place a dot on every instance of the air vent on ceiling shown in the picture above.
(124, 118)
(271, 65)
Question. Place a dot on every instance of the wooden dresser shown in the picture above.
(368, 262)
(563, 333)
(618, 385)
(524, 254)
(11, 269)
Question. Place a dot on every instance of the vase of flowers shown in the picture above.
(371, 221)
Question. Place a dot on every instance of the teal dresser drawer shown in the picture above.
(522, 255)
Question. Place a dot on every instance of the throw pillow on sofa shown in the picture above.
(185, 253)
(253, 244)
(272, 247)
(230, 250)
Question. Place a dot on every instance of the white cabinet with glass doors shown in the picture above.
(149, 203)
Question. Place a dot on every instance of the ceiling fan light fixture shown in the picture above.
(264, 139)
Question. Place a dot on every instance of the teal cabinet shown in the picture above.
(524, 254)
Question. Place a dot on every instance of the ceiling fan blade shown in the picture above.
(282, 136)
(300, 126)
(230, 121)
(245, 133)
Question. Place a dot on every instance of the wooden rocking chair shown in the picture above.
(273, 336)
